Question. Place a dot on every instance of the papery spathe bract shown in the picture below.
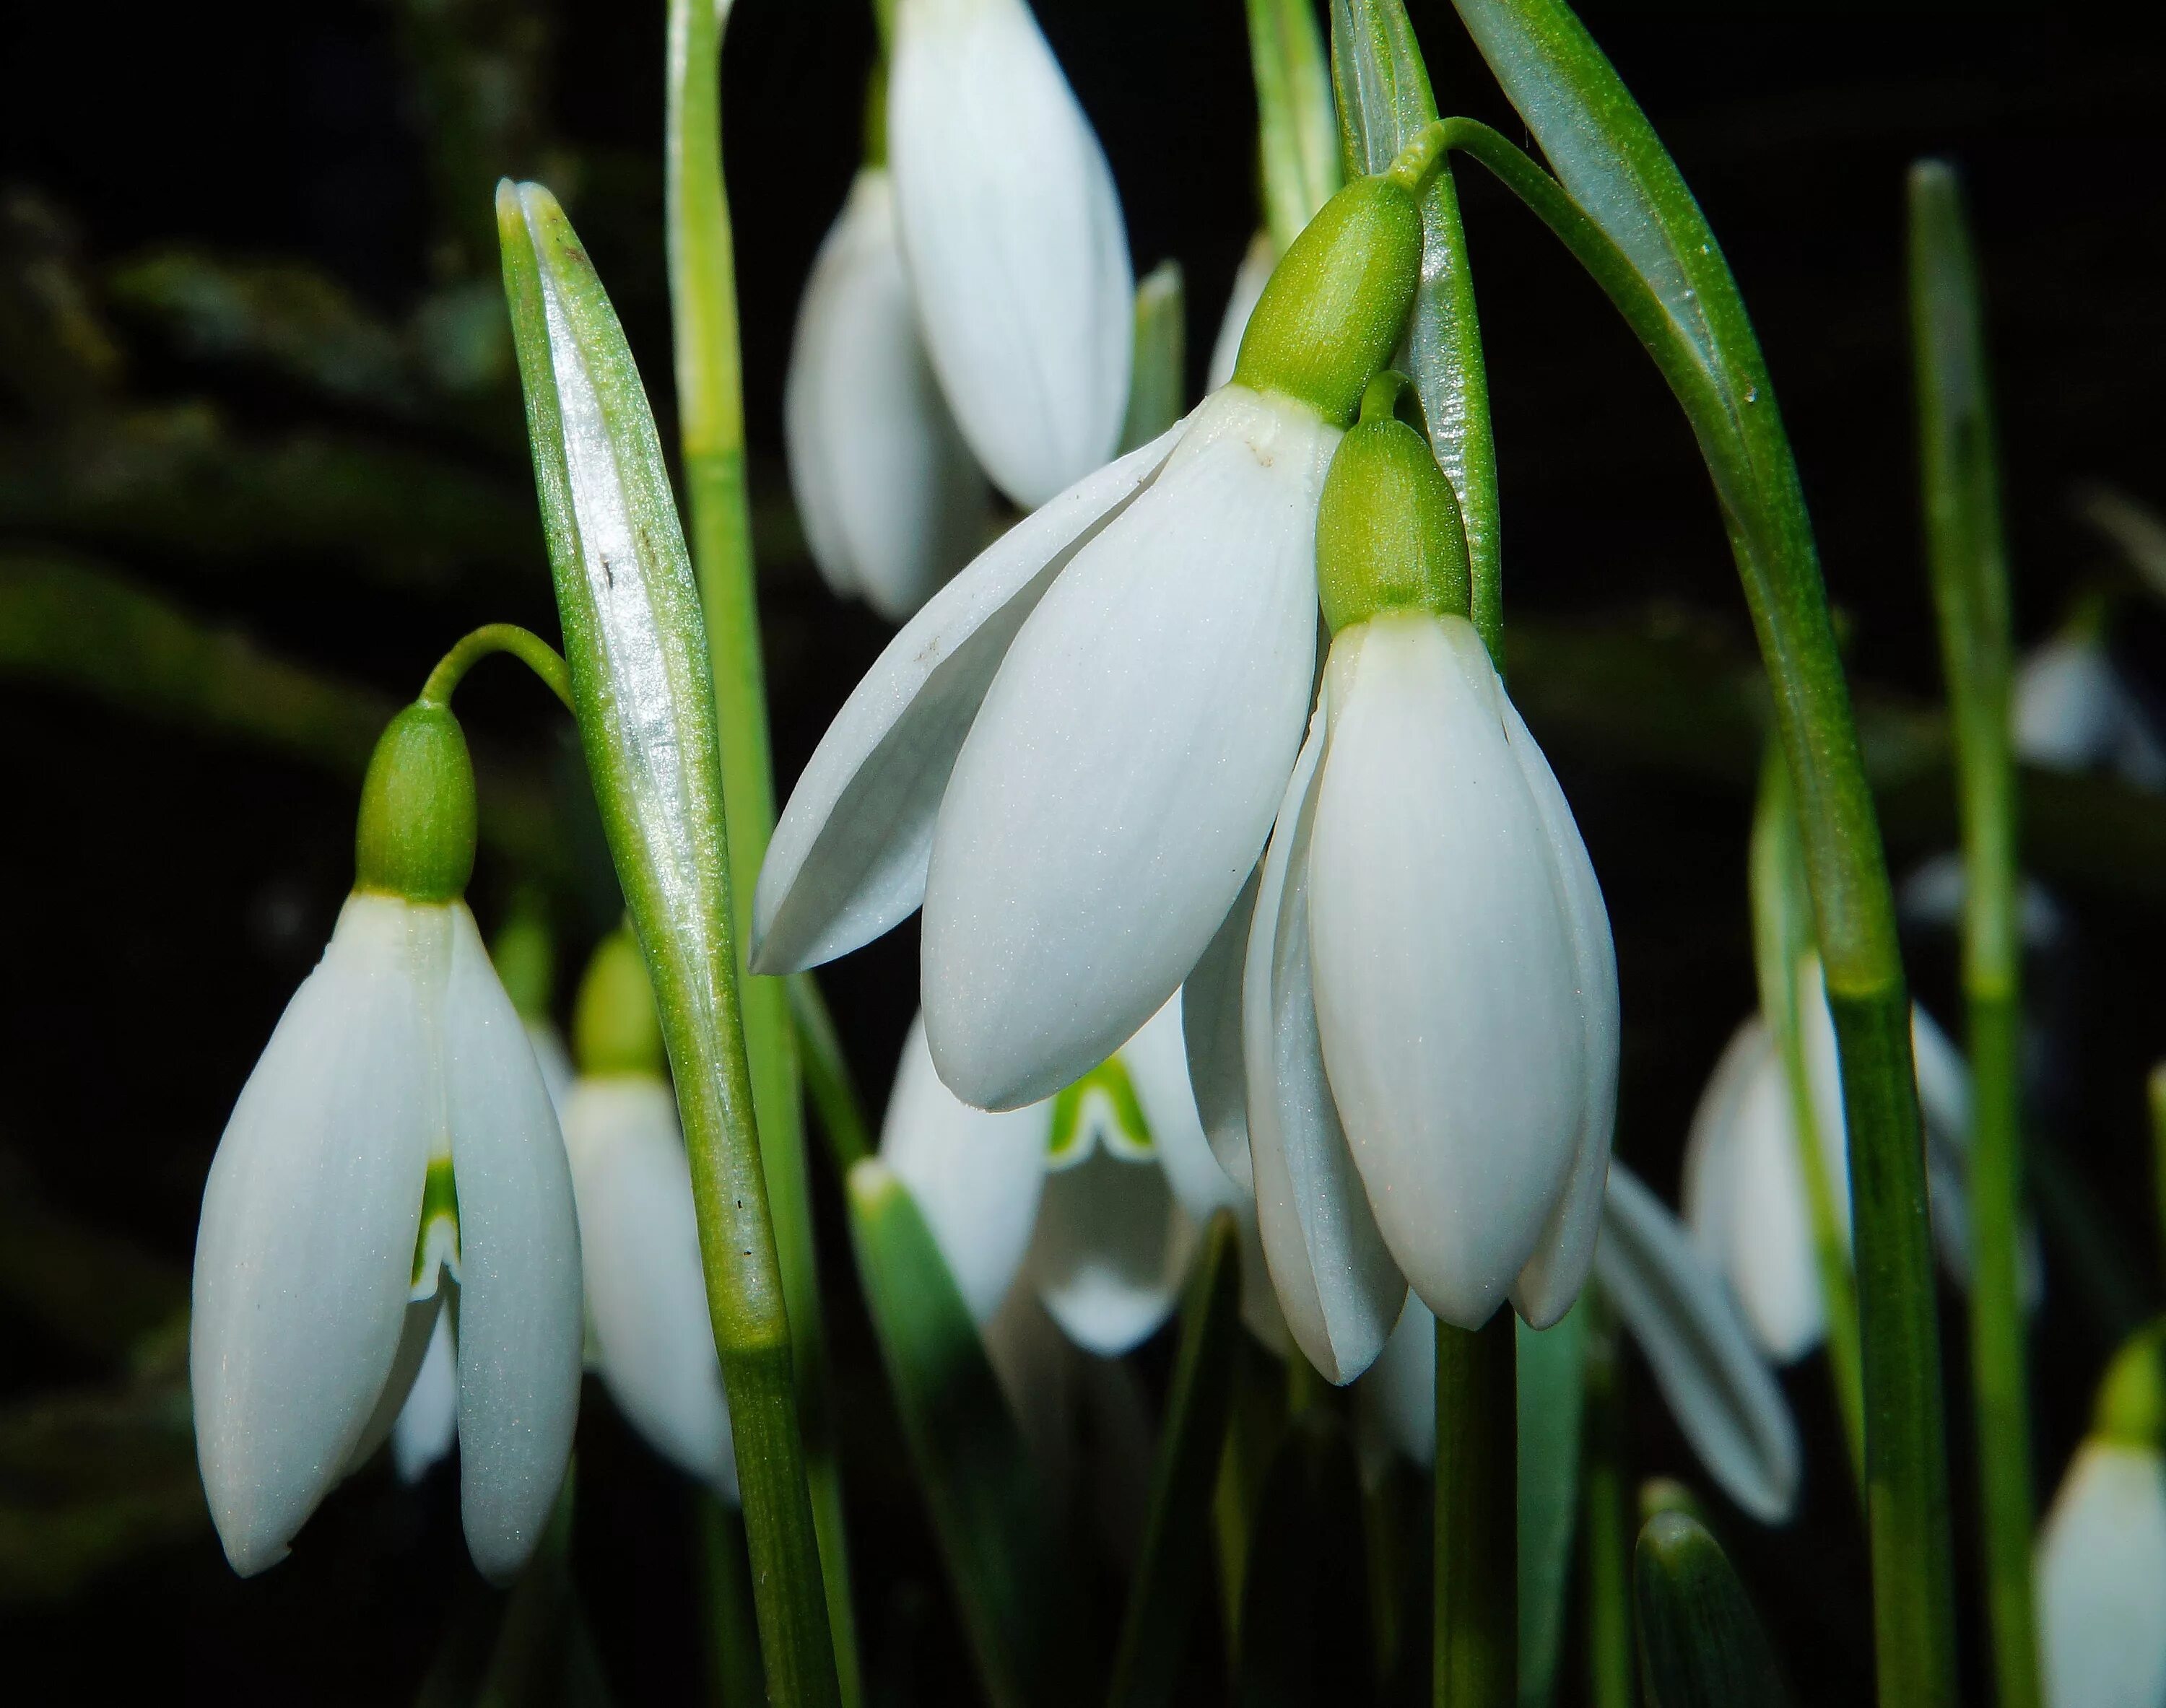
(1014, 236)
(891, 499)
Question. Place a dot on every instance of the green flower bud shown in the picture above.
(2132, 1400)
(1332, 313)
(614, 1027)
(416, 834)
(1388, 534)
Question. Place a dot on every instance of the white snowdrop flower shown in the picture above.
(1013, 233)
(1072, 755)
(2101, 1569)
(650, 1337)
(1248, 281)
(892, 501)
(1092, 1199)
(2074, 712)
(1718, 1386)
(394, 1146)
(1745, 1194)
(1429, 1010)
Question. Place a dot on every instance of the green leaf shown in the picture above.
(1296, 137)
(1158, 386)
(827, 1078)
(1552, 1392)
(1701, 1644)
(1305, 1624)
(1164, 1596)
(988, 1506)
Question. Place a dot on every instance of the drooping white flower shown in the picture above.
(1092, 1200)
(1248, 281)
(1720, 1391)
(1013, 233)
(1745, 1194)
(2074, 712)
(395, 1142)
(891, 500)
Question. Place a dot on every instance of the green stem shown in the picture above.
(1788, 977)
(1608, 1525)
(733, 1668)
(710, 418)
(1968, 561)
(529, 648)
(1739, 433)
(1476, 1657)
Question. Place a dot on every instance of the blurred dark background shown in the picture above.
(355, 495)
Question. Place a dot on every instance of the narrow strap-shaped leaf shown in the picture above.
(1552, 1392)
(1305, 1626)
(637, 648)
(1163, 1597)
(988, 1504)
(1157, 377)
(1384, 103)
(1701, 1644)
(827, 1074)
(1296, 135)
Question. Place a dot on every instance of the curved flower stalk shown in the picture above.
(1745, 1195)
(393, 1158)
(2073, 711)
(1072, 755)
(1089, 1201)
(1429, 1010)
(892, 501)
(1719, 1389)
(2101, 1560)
(1017, 248)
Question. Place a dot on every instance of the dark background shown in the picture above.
(164, 893)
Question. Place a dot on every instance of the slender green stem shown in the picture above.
(1712, 361)
(1789, 970)
(1969, 567)
(1476, 1658)
(711, 418)
(529, 648)
(1609, 1526)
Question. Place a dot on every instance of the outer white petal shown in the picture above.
(1403, 1382)
(1768, 1252)
(892, 501)
(2070, 707)
(639, 1246)
(1211, 1031)
(428, 1423)
(847, 859)
(1722, 1394)
(1249, 279)
(1015, 240)
(976, 1177)
(519, 1321)
(1112, 1246)
(2101, 1576)
(1709, 1194)
(1115, 789)
(1447, 995)
(1552, 1278)
(1334, 1277)
(305, 1253)
(1157, 1062)
(1933, 894)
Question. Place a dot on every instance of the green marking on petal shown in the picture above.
(1101, 1107)
(436, 1246)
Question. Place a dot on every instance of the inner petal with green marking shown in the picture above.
(436, 1245)
(1100, 1109)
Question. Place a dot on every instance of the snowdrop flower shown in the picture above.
(1428, 1010)
(1072, 755)
(1720, 1391)
(2074, 712)
(1744, 1196)
(1092, 1199)
(1013, 232)
(891, 499)
(394, 1155)
(2101, 1560)
(649, 1334)
(1248, 281)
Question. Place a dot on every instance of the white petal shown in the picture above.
(1111, 1247)
(519, 1321)
(2101, 1576)
(429, 1421)
(847, 859)
(1447, 994)
(1723, 1395)
(639, 1245)
(305, 1254)
(1249, 279)
(553, 1059)
(1709, 1194)
(1211, 1028)
(1402, 1383)
(892, 501)
(2070, 705)
(1933, 894)
(1115, 789)
(1552, 1278)
(976, 1177)
(1336, 1280)
(1017, 248)
(1157, 1063)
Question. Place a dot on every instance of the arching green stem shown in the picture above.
(529, 648)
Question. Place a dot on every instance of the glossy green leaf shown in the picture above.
(1701, 1644)
(1552, 1393)
(1295, 135)
(827, 1077)
(988, 1504)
